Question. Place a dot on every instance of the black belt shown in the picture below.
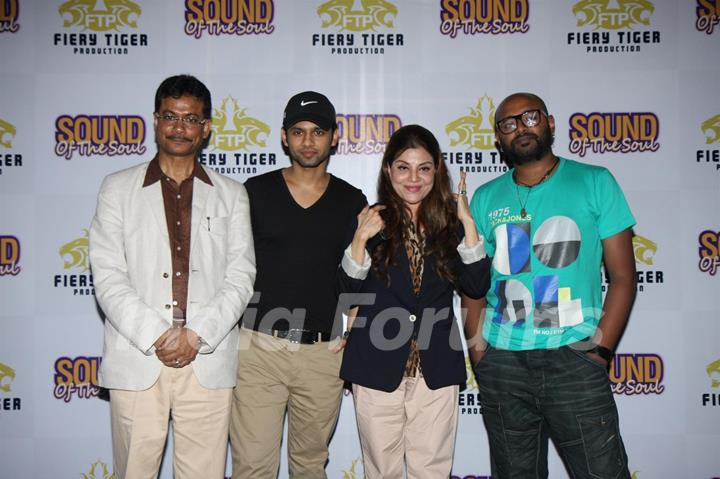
(302, 336)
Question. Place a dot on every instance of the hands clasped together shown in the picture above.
(177, 347)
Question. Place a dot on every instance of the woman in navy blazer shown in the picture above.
(403, 353)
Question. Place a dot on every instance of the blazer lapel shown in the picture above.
(153, 199)
(201, 192)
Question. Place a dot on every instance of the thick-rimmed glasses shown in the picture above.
(190, 121)
(529, 118)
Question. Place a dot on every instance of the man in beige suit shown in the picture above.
(173, 263)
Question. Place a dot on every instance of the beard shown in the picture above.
(515, 155)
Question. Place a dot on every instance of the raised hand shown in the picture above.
(463, 207)
(370, 223)
(464, 214)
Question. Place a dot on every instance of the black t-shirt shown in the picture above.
(297, 251)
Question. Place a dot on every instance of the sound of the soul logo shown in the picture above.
(76, 377)
(613, 132)
(213, 17)
(709, 252)
(99, 135)
(473, 17)
(707, 15)
(632, 374)
(366, 134)
(9, 255)
(9, 11)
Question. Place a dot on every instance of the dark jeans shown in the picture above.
(528, 396)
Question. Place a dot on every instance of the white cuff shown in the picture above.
(352, 268)
(472, 254)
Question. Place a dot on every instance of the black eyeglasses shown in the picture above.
(190, 121)
(529, 118)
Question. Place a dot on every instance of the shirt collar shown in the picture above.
(154, 173)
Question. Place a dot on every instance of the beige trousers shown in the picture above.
(200, 417)
(276, 375)
(413, 426)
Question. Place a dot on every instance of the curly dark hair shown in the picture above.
(437, 215)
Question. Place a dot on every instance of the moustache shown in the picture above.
(526, 136)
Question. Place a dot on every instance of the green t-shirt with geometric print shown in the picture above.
(545, 289)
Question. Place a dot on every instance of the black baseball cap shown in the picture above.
(310, 106)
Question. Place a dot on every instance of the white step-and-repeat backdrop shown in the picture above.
(633, 85)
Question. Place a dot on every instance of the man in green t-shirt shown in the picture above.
(548, 337)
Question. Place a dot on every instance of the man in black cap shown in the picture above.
(300, 217)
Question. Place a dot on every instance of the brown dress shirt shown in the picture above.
(178, 212)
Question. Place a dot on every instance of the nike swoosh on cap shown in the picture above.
(305, 103)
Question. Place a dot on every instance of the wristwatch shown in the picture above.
(605, 353)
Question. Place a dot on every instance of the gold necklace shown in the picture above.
(523, 212)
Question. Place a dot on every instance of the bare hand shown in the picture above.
(463, 207)
(370, 223)
(177, 347)
(338, 346)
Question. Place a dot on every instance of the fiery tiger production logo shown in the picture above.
(357, 27)
(238, 141)
(9, 159)
(617, 27)
(472, 140)
(100, 27)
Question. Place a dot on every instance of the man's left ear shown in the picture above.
(551, 122)
(336, 137)
(207, 128)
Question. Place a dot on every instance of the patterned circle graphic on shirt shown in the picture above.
(556, 242)
(512, 248)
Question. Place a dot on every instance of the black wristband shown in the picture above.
(603, 352)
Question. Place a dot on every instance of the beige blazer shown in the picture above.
(132, 272)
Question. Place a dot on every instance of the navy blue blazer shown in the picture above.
(379, 343)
